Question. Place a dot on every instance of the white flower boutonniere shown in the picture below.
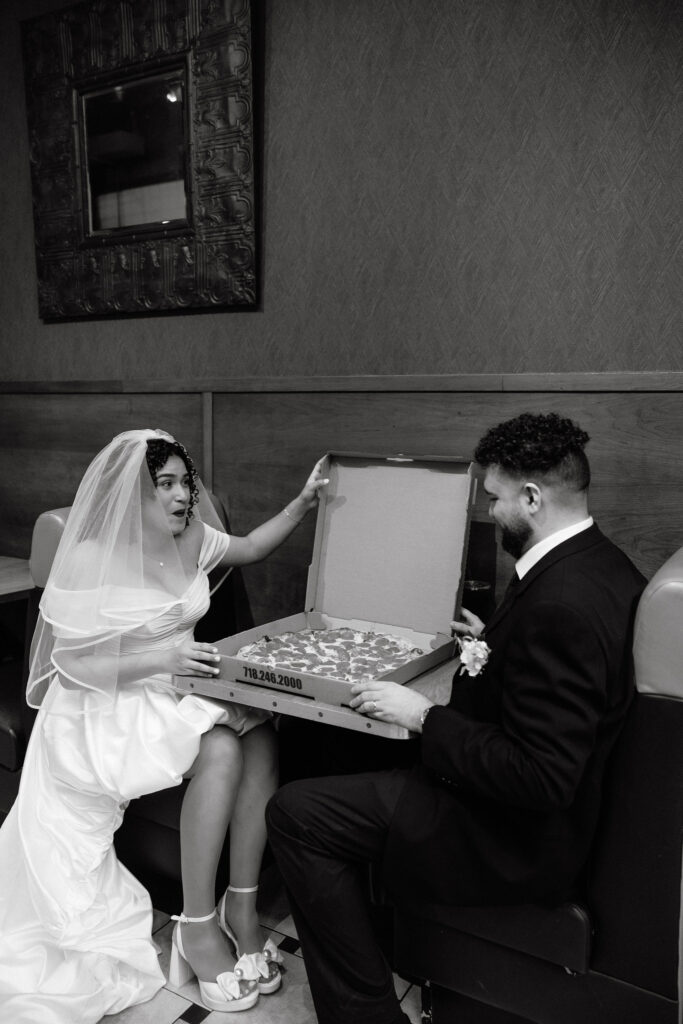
(473, 655)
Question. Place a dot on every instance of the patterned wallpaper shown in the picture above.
(448, 186)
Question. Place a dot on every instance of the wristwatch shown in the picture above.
(423, 716)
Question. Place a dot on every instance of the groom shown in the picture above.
(504, 803)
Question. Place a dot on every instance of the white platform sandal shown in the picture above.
(267, 961)
(227, 993)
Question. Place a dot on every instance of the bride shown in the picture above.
(128, 584)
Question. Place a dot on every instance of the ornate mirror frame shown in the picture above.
(209, 262)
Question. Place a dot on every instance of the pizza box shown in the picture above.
(388, 557)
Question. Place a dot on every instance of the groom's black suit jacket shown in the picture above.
(504, 804)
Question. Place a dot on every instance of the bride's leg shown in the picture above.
(207, 809)
(248, 833)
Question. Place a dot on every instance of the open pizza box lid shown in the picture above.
(388, 557)
(391, 541)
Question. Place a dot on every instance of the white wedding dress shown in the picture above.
(75, 925)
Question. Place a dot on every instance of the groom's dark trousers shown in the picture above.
(323, 833)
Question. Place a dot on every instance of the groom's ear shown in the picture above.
(532, 497)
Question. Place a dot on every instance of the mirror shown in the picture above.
(135, 147)
(141, 132)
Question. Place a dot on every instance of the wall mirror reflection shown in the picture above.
(135, 153)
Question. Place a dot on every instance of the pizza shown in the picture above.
(343, 653)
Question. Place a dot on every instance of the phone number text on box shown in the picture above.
(262, 675)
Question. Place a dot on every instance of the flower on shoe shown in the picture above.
(473, 655)
(271, 955)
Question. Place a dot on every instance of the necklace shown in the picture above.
(155, 559)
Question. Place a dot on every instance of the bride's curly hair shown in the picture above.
(549, 445)
(159, 451)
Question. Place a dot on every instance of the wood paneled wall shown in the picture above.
(264, 442)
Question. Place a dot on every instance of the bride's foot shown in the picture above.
(237, 918)
(206, 949)
(199, 949)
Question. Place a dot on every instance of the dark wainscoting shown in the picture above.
(256, 440)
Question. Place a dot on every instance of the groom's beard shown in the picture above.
(514, 537)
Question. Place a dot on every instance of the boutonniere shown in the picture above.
(473, 654)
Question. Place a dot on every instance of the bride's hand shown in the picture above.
(193, 659)
(311, 489)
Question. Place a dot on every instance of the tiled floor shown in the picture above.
(290, 1005)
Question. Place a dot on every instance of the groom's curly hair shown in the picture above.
(159, 451)
(538, 445)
